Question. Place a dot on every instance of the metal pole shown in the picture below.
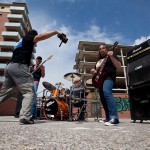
(96, 103)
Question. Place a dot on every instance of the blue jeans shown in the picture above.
(34, 104)
(108, 100)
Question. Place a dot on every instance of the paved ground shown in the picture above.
(73, 135)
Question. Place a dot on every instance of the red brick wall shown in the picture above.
(3, 19)
(122, 105)
(121, 114)
(7, 108)
(125, 112)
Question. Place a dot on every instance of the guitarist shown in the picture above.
(107, 99)
(40, 72)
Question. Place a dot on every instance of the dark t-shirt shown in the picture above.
(37, 74)
(110, 69)
(23, 50)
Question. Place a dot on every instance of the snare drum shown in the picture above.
(56, 108)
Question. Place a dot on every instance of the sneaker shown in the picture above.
(103, 120)
(25, 121)
(112, 122)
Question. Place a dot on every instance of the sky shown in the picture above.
(125, 21)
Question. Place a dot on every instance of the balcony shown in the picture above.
(2, 66)
(6, 44)
(2, 79)
(17, 18)
(88, 54)
(19, 10)
(15, 27)
(11, 35)
(5, 55)
(83, 64)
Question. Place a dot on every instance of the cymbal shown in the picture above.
(72, 76)
(49, 86)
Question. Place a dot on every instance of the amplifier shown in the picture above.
(138, 66)
(138, 51)
(139, 100)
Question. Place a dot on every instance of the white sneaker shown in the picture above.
(112, 122)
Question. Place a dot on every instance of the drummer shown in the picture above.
(78, 92)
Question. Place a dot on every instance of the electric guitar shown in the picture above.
(99, 77)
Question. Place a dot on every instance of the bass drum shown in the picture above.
(56, 109)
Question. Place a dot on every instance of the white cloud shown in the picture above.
(141, 39)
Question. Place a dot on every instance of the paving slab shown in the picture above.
(73, 135)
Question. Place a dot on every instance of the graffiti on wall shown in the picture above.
(122, 104)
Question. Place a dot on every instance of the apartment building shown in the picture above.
(14, 22)
(88, 55)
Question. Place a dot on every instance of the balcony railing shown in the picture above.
(5, 54)
(2, 66)
(6, 44)
(15, 27)
(17, 18)
(19, 10)
(2, 79)
(11, 35)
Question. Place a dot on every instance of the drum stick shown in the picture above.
(42, 63)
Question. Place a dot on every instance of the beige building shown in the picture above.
(88, 55)
(14, 22)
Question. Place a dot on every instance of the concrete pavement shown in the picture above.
(73, 135)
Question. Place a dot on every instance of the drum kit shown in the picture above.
(59, 104)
